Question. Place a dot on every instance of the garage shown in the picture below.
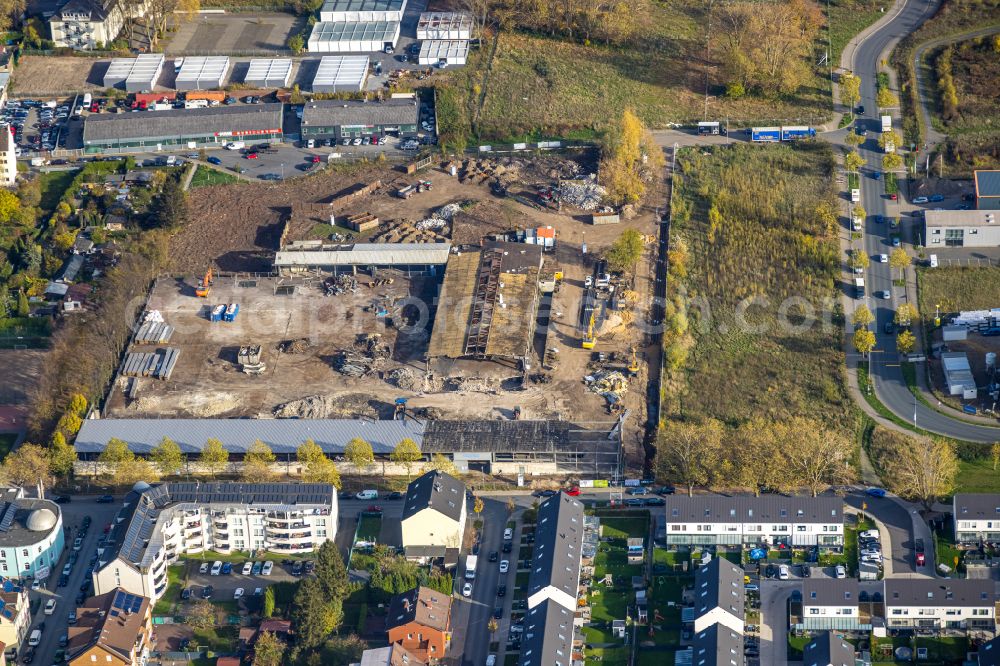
(269, 73)
(202, 73)
(340, 74)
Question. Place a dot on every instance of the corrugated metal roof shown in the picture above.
(183, 123)
(987, 183)
(362, 5)
(203, 68)
(281, 435)
(440, 49)
(368, 254)
(269, 69)
(334, 113)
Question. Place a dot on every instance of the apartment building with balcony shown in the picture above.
(770, 520)
(160, 524)
(85, 24)
(836, 603)
(15, 613)
(930, 603)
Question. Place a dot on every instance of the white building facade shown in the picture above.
(976, 518)
(160, 524)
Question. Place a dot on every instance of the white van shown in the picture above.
(934, 263)
(216, 568)
(855, 195)
(196, 104)
(35, 638)
(367, 495)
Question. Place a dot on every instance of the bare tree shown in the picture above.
(687, 452)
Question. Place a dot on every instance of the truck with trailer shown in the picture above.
(797, 132)
(765, 134)
(886, 123)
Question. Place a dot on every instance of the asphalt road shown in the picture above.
(56, 624)
(890, 386)
(897, 523)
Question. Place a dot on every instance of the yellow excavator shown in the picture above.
(589, 338)
(204, 287)
(633, 365)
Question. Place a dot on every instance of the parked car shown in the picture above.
(918, 547)
(255, 570)
(206, 592)
(227, 568)
(839, 571)
(467, 590)
(494, 556)
(504, 566)
(203, 569)
(238, 593)
(573, 491)
(105, 499)
(935, 198)
(783, 572)
(805, 571)
(297, 569)
(267, 568)
(50, 606)
(214, 160)
(875, 492)
(921, 200)
(185, 594)
(247, 568)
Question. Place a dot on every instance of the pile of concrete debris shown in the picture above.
(353, 364)
(325, 407)
(371, 344)
(612, 386)
(408, 380)
(298, 346)
(335, 286)
(583, 193)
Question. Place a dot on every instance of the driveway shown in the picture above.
(774, 596)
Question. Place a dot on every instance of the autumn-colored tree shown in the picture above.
(891, 162)
(629, 159)
(854, 139)
(885, 99)
(168, 457)
(268, 650)
(890, 138)
(860, 259)
(850, 90)
(28, 465)
(995, 453)
(905, 342)
(687, 452)
(816, 456)
(853, 161)
(406, 454)
(359, 453)
(257, 463)
(477, 506)
(906, 313)
(757, 457)
(859, 212)
(862, 317)
(62, 456)
(898, 258)
(115, 456)
(214, 458)
(626, 251)
(201, 615)
(864, 341)
(922, 469)
(442, 463)
(317, 467)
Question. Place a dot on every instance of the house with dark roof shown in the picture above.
(717, 645)
(775, 521)
(834, 603)
(112, 628)
(828, 649)
(989, 653)
(420, 621)
(976, 518)
(548, 635)
(987, 189)
(434, 512)
(719, 596)
(932, 603)
(555, 560)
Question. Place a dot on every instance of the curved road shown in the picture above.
(890, 385)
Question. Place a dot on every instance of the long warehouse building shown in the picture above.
(350, 119)
(190, 128)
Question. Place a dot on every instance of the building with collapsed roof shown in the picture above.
(530, 447)
(159, 524)
(487, 304)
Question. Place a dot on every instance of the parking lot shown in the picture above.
(224, 33)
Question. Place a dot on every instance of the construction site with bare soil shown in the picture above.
(468, 290)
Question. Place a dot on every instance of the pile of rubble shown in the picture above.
(350, 405)
(432, 223)
(583, 193)
(353, 364)
(447, 211)
(335, 286)
(612, 386)
(299, 346)
(474, 384)
(371, 344)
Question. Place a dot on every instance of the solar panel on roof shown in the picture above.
(8, 517)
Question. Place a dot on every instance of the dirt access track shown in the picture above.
(237, 227)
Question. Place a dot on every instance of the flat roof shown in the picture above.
(961, 218)
(350, 31)
(350, 70)
(362, 5)
(441, 49)
(16, 515)
(367, 254)
(987, 183)
(196, 68)
(143, 67)
(222, 120)
(352, 112)
(269, 69)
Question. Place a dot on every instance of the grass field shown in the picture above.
(759, 230)
(955, 289)
(846, 19)
(53, 184)
(205, 176)
(977, 476)
(544, 87)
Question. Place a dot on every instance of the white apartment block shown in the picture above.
(771, 520)
(832, 603)
(8, 158)
(86, 24)
(159, 524)
(941, 604)
(977, 518)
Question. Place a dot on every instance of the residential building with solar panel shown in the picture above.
(159, 524)
(15, 613)
(111, 628)
(31, 535)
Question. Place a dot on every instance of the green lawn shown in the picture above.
(796, 644)
(53, 184)
(846, 18)
(954, 289)
(205, 176)
(218, 639)
(175, 583)
(369, 526)
(943, 650)
(977, 476)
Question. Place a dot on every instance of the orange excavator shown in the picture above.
(204, 287)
